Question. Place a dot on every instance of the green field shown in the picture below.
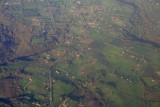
(80, 53)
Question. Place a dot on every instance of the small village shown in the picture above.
(79, 53)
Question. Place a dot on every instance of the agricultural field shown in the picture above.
(79, 53)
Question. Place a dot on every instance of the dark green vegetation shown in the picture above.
(79, 53)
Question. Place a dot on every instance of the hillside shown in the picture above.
(80, 53)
